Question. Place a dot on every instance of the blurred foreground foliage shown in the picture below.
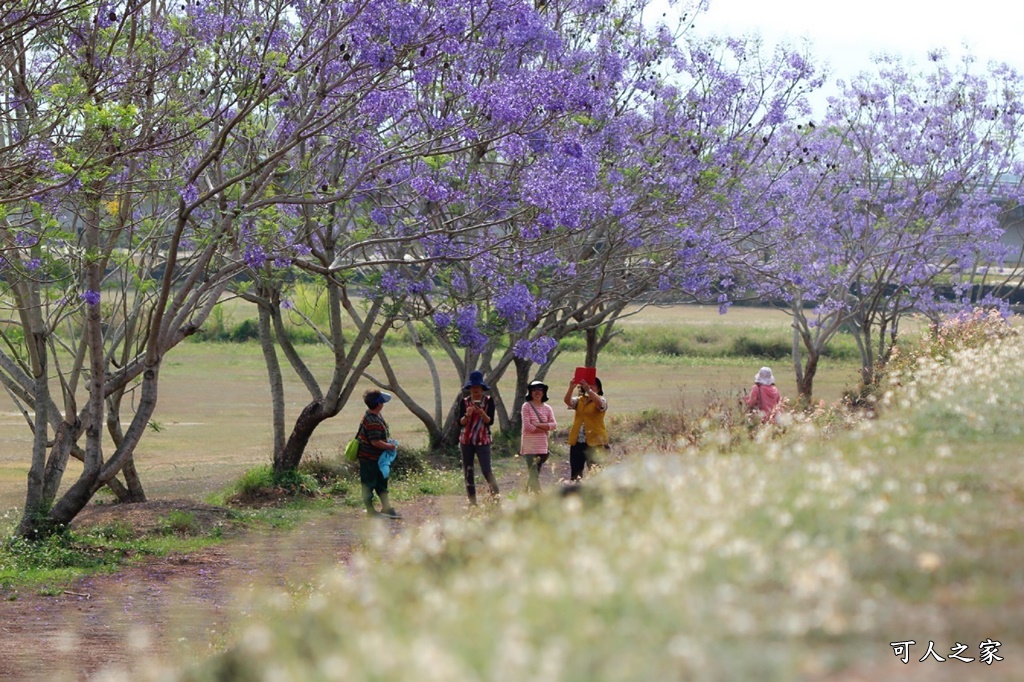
(794, 554)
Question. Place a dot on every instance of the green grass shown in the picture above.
(49, 566)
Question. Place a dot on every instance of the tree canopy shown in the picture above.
(496, 175)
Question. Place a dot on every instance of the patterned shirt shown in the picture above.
(373, 427)
(475, 431)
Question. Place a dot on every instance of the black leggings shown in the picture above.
(483, 453)
(581, 455)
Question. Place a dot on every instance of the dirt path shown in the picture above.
(179, 603)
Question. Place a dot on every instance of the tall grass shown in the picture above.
(793, 557)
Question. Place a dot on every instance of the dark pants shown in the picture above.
(582, 455)
(373, 481)
(483, 453)
(533, 466)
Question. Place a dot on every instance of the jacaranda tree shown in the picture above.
(627, 205)
(415, 176)
(886, 207)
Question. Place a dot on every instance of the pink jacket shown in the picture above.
(534, 440)
(765, 399)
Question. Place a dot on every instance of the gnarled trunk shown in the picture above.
(312, 415)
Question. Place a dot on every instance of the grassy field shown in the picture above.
(213, 419)
(807, 556)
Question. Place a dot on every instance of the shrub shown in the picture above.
(968, 330)
(408, 463)
(770, 349)
(323, 471)
(57, 551)
(721, 418)
(254, 480)
(248, 330)
(261, 480)
(180, 522)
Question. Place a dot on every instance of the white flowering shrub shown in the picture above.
(790, 559)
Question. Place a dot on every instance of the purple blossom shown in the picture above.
(470, 335)
(430, 189)
(40, 151)
(420, 286)
(189, 194)
(255, 256)
(536, 351)
(442, 320)
(723, 304)
(391, 283)
(538, 141)
(518, 307)
(286, 304)
(572, 149)
(90, 297)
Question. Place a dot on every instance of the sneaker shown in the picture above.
(391, 513)
(374, 514)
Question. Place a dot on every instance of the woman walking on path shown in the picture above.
(538, 422)
(764, 397)
(374, 438)
(588, 437)
(476, 414)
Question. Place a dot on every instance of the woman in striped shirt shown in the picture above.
(538, 422)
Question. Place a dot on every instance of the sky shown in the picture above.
(847, 34)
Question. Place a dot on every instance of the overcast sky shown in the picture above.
(847, 34)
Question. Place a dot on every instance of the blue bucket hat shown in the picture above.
(476, 378)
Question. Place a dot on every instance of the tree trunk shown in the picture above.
(35, 504)
(805, 384)
(592, 348)
(522, 381)
(311, 417)
(449, 435)
(273, 375)
(93, 478)
(435, 435)
(64, 439)
(133, 491)
(435, 377)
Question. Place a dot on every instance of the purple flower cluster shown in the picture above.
(255, 256)
(90, 297)
(536, 351)
(442, 320)
(470, 335)
(391, 283)
(518, 307)
(189, 194)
